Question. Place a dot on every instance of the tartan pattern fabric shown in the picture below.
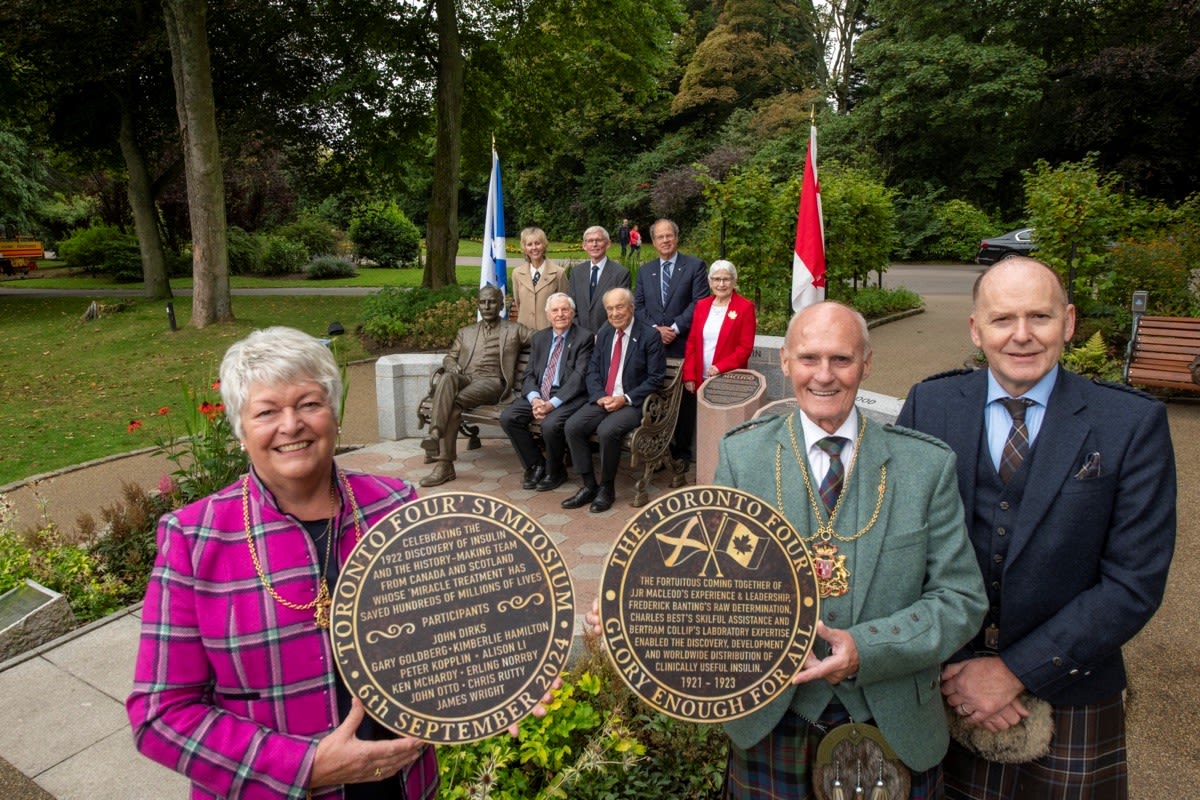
(778, 767)
(1087, 759)
(1016, 446)
(231, 688)
(831, 484)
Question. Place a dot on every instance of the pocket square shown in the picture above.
(1090, 468)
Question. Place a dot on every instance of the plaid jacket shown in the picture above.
(231, 688)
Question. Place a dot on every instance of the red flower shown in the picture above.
(134, 424)
(164, 410)
(216, 386)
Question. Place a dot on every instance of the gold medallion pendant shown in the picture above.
(833, 576)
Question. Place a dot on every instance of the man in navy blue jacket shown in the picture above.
(1069, 494)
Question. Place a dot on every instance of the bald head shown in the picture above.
(826, 355)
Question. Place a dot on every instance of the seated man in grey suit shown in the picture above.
(553, 388)
(626, 367)
(589, 280)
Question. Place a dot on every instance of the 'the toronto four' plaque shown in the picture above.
(452, 617)
(708, 603)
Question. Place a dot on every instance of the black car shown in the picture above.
(1018, 242)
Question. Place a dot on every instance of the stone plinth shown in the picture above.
(723, 402)
(401, 382)
(31, 615)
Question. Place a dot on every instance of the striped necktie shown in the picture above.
(1016, 446)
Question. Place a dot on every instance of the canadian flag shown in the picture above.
(808, 257)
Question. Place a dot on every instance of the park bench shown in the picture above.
(648, 445)
(1164, 353)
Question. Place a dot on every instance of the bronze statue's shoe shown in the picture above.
(443, 472)
(431, 445)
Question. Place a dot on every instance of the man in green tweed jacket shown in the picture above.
(900, 586)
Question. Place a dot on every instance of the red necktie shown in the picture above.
(614, 366)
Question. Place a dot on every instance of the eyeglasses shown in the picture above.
(720, 280)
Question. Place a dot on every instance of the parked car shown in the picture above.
(1018, 242)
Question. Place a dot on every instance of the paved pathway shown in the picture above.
(62, 721)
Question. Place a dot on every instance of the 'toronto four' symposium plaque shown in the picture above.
(708, 603)
(452, 617)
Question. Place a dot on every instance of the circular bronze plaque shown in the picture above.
(708, 603)
(452, 617)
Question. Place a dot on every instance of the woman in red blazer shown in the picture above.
(723, 327)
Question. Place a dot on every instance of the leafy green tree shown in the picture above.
(1077, 215)
(751, 221)
(22, 182)
(947, 110)
(860, 219)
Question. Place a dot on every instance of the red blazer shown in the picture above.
(734, 342)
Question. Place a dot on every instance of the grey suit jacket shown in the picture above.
(590, 309)
(916, 594)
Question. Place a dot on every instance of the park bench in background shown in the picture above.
(1164, 353)
(649, 445)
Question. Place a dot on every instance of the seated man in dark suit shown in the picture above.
(553, 388)
(627, 366)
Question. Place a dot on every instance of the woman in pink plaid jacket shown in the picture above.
(235, 684)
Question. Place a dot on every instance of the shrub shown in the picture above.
(957, 229)
(104, 248)
(245, 252)
(319, 237)
(860, 225)
(382, 233)
(1159, 266)
(416, 318)
(329, 267)
(124, 546)
(282, 256)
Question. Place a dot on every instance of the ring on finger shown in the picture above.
(378, 772)
(962, 709)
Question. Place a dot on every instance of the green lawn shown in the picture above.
(70, 389)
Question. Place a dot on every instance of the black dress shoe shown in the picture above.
(533, 477)
(581, 498)
(551, 482)
(603, 501)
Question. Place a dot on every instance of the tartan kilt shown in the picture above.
(779, 767)
(1087, 760)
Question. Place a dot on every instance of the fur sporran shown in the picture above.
(855, 761)
(1026, 741)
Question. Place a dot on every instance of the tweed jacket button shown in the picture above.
(872, 629)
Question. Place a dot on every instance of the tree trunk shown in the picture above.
(145, 214)
(441, 235)
(196, 107)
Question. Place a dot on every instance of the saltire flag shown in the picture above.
(808, 257)
(494, 264)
